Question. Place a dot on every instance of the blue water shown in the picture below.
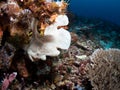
(104, 9)
(102, 15)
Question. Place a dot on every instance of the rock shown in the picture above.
(82, 57)
(74, 37)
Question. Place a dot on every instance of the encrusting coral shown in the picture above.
(104, 70)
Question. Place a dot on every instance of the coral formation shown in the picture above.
(104, 70)
(32, 32)
(37, 26)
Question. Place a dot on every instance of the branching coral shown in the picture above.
(104, 71)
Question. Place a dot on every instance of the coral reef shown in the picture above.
(35, 26)
(38, 53)
(104, 70)
(31, 30)
(67, 71)
(104, 32)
